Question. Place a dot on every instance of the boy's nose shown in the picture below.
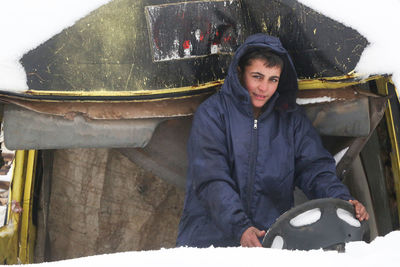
(263, 87)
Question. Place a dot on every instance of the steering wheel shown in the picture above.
(322, 223)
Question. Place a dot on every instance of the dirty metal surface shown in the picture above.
(339, 112)
(25, 129)
(377, 110)
(159, 108)
(113, 110)
(135, 45)
(194, 29)
(48, 125)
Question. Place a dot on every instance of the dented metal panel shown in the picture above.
(33, 125)
(113, 110)
(341, 112)
(24, 129)
(344, 118)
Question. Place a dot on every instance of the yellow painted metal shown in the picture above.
(17, 237)
(127, 93)
(304, 84)
(335, 82)
(382, 85)
(28, 230)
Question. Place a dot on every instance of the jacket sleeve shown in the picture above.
(315, 168)
(211, 175)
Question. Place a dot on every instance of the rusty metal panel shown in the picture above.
(112, 110)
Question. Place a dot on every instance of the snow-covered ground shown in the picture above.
(24, 24)
(383, 251)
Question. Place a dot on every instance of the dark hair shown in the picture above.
(263, 53)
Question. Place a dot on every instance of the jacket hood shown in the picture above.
(287, 88)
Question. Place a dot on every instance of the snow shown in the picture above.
(306, 218)
(348, 217)
(25, 24)
(379, 22)
(340, 155)
(305, 101)
(277, 242)
(383, 251)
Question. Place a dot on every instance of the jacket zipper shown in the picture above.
(253, 160)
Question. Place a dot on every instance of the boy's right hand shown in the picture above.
(250, 237)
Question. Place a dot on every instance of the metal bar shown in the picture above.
(377, 109)
(382, 85)
(27, 234)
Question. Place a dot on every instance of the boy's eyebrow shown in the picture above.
(259, 73)
(256, 72)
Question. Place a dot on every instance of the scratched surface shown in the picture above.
(131, 45)
(194, 29)
(320, 46)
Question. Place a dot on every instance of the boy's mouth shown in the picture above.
(259, 97)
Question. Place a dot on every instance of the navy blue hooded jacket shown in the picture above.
(242, 171)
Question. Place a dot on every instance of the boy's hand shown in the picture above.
(250, 237)
(361, 212)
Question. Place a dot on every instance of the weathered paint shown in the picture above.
(115, 48)
(66, 124)
(196, 26)
(167, 103)
(118, 110)
(18, 236)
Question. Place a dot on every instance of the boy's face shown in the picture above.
(261, 81)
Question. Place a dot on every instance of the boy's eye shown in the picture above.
(257, 77)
